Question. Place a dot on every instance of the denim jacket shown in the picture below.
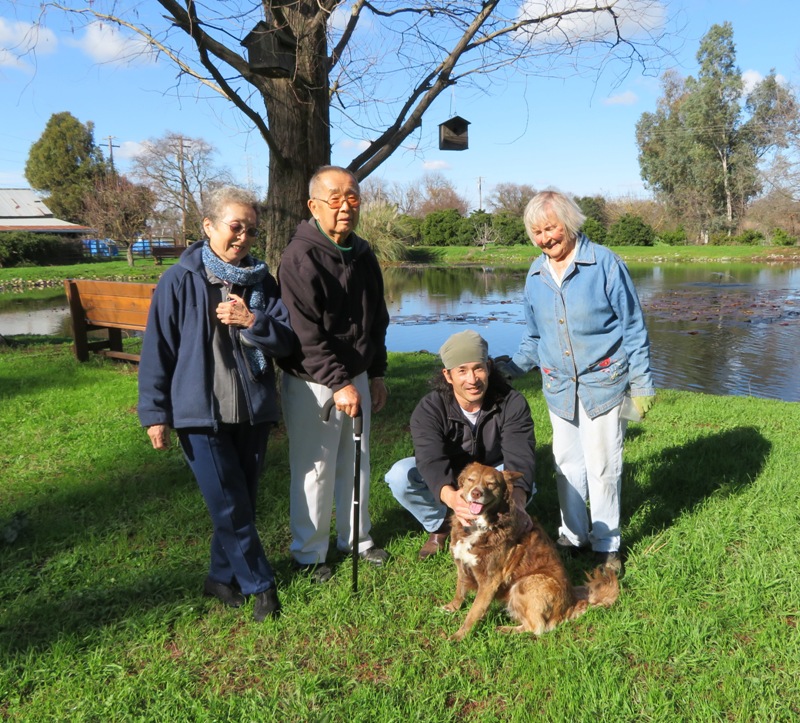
(588, 337)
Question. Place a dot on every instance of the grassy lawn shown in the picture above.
(101, 617)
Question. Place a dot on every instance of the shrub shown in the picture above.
(782, 238)
(595, 230)
(510, 230)
(630, 230)
(443, 228)
(749, 237)
(720, 238)
(410, 229)
(23, 248)
(677, 237)
(379, 225)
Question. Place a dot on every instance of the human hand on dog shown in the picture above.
(451, 497)
(235, 312)
(159, 436)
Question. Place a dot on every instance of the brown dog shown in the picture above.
(498, 559)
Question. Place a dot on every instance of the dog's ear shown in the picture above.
(509, 477)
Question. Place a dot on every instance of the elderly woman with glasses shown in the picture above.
(332, 285)
(586, 334)
(216, 321)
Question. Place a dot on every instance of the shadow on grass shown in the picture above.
(422, 256)
(678, 478)
(71, 374)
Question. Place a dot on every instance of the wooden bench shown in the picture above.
(166, 252)
(108, 305)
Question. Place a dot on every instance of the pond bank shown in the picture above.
(28, 279)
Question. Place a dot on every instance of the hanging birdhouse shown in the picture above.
(270, 52)
(453, 134)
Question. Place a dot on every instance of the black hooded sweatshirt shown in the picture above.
(336, 306)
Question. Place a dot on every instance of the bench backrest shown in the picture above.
(115, 304)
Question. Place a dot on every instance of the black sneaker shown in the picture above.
(317, 572)
(266, 605)
(224, 593)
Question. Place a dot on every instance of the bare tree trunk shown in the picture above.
(726, 182)
(299, 121)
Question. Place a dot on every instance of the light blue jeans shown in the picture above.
(410, 490)
(588, 463)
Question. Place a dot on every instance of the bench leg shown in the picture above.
(115, 339)
(79, 331)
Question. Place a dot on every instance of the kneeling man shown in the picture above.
(472, 415)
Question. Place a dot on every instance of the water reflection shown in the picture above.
(731, 329)
(722, 330)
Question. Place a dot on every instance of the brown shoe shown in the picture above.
(436, 541)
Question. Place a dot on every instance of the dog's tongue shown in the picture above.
(475, 508)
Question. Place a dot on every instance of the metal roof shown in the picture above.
(22, 203)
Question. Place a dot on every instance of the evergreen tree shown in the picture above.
(64, 163)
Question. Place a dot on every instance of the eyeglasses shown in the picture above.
(336, 202)
(237, 229)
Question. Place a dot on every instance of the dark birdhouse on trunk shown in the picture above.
(270, 51)
(453, 134)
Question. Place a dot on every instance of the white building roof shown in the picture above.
(22, 203)
(22, 210)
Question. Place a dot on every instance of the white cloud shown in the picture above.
(633, 17)
(129, 149)
(19, 41)
(626, 98)
(436, 165)
(750, 79)
(105, 43)
(349, 144)
(341, 16)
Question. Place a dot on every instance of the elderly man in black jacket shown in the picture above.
(332, 285)
(472, 415)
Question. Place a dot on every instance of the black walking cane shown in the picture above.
(358, 427)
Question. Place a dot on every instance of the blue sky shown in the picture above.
(574, 133)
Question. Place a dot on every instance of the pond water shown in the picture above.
(713, 328)
(721, 330)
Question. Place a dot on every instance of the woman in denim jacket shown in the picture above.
(586, 333)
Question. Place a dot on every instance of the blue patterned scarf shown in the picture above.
(250, 277)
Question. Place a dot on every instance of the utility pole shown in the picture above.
(480, 194)
(183, 190)
(111, 147)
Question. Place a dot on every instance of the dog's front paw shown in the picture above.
(452, 606)
(458, 636)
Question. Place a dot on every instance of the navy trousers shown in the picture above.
(227, 465)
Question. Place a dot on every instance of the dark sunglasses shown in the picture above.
(337, 201)
(237, 229)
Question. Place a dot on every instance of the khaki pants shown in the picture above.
(322, 464)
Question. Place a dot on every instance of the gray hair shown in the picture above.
(216, 201)
(324, 170)
(559, 207)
